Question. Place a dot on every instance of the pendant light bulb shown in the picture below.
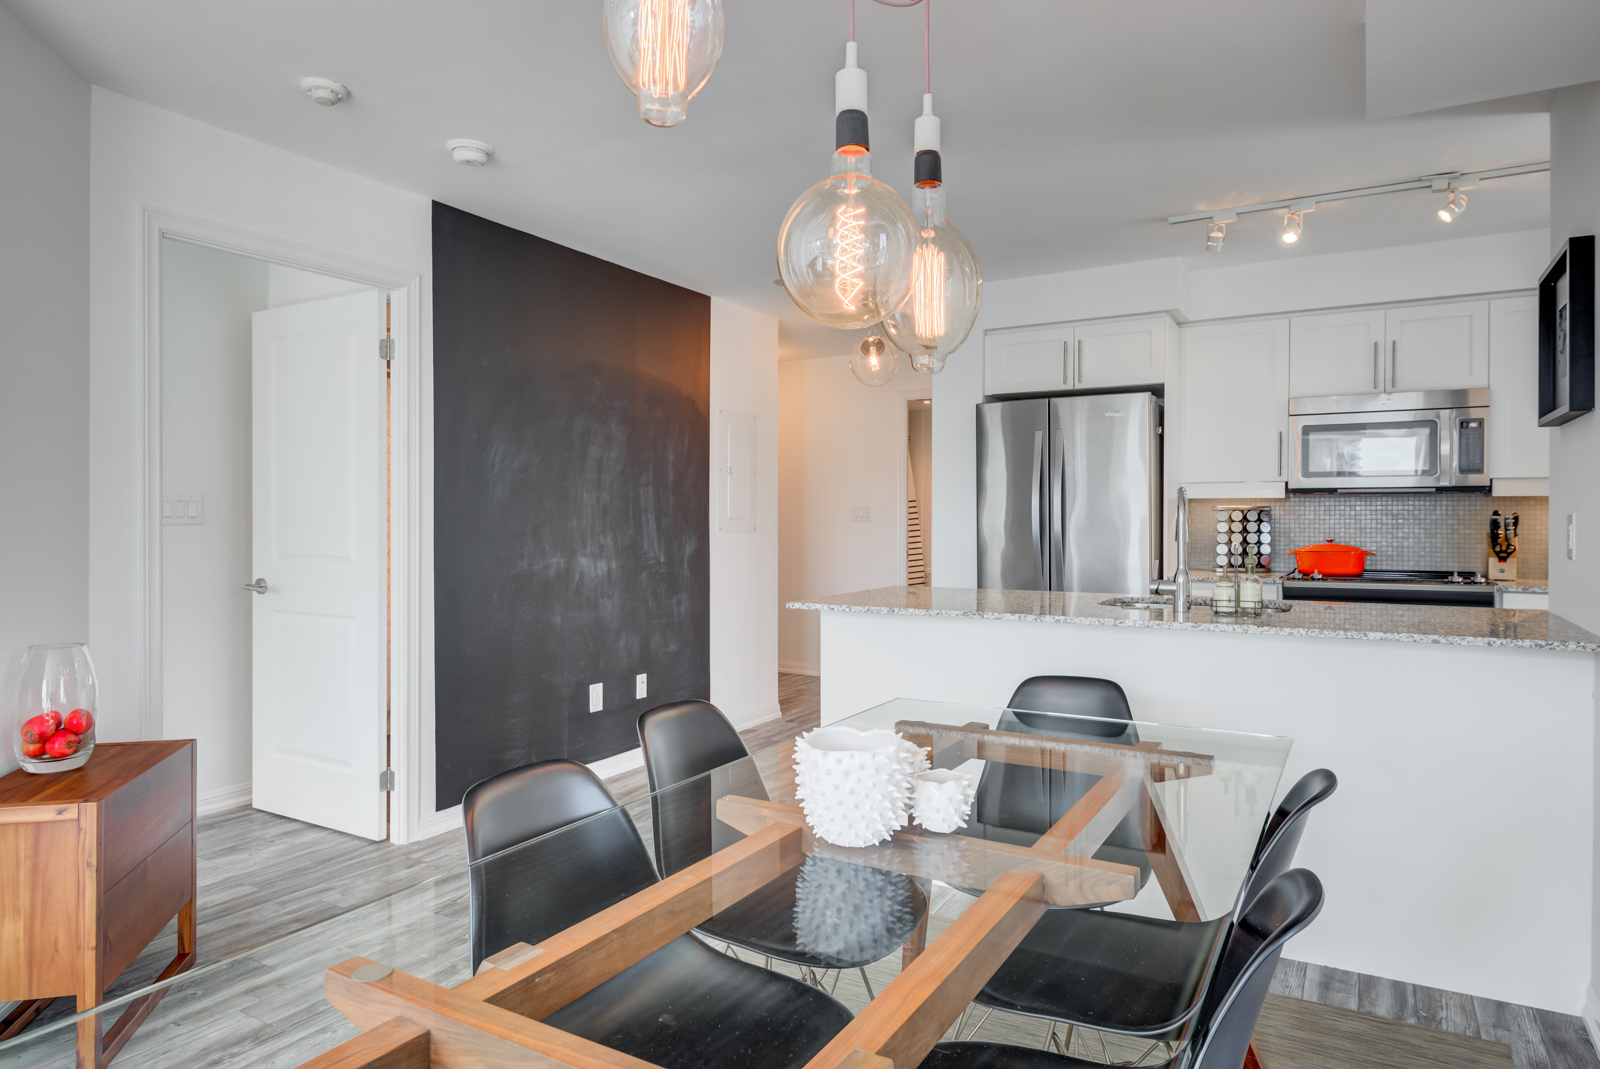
(1291, 227)
(665, 50)
(874, 361)
(844, 250)
(946, 281)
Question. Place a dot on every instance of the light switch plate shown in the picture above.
(187, 509)
(596, 697)
(639, 688)
(860, 513)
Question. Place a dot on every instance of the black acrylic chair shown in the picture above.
(1132, 975)
(684, 1006)
(1016, 804)
(1227, 1018)
(683, 742)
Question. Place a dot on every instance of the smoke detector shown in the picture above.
(469, 153)
(325, 92)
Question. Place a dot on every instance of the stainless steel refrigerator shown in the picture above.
(1069, 493)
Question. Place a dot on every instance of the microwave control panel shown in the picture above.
(1470, 445)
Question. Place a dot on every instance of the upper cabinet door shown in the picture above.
(1235, 402)
(1438, 347)
(1518, 447)
(1338, 353)
(1027, 361)
(1129, 353)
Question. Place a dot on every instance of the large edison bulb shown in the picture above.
(946, 287)
(844, 250)
(665, 50)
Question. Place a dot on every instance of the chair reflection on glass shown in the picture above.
(685, 1005)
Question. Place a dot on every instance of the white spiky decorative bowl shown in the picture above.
(855, 786)
(942, 799)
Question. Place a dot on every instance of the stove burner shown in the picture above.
(1374, 575)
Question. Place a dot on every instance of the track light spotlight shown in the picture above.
(1291, 227)
(1215, 236)
(1454, 204)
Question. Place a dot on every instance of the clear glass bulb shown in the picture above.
(946, 287)
(873, 363)
(844, 250)
(665, 50)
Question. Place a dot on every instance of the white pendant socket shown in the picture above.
(324, 91)
(470, 153)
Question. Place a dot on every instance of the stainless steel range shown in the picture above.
(1399, 587)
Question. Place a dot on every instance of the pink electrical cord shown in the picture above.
(927, 20)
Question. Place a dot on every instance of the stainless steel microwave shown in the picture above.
(1434, 440)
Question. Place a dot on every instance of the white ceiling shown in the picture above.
(1072, 128)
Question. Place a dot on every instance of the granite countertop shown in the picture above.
(1453, 625)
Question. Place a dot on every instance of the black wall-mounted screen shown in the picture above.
(571, 498)
(1566, 334)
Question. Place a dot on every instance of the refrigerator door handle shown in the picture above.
(1038, 465)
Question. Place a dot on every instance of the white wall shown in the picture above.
(744, 565)
(841, 444)
(1412, 272)
(288, 285)
(44, 353)
(207, 299)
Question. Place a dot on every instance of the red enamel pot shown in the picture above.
(1332, 559)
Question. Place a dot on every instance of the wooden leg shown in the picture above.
(919, 938)
(132, 1017)
(1250, 1059)
(88, 1034)
(22, 1016)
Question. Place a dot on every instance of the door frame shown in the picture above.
(915, 393)
(411, 802)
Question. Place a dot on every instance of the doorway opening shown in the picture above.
(275, 534)
(919, 492)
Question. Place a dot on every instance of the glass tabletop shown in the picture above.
(707, 923)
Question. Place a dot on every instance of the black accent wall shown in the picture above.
(571, 511)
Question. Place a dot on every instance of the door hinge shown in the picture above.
(386, 780)
(386, 349)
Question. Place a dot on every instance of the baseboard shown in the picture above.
(756, 716)
(1591, 1016)
(798, 669)
(439, 823)
(222, 799)
(627, 761)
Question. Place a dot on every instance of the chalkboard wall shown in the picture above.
(570, 498)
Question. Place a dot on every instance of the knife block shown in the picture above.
(1499, 569)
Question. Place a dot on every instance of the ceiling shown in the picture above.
(1072, 128)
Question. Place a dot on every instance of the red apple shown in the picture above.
(38, 729)
(54, 718)
(79, 721)
(61, 744)
(33, 749)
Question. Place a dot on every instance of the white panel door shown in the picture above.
(1338, 353)
(1027, 361)
(1518, 447)
(1127, 353)
(319, 533)
(1438, 346)
(1235, 402)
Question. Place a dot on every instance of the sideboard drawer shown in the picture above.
(137, 818)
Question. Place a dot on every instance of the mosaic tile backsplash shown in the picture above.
(1403, 530)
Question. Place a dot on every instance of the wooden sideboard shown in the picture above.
(93, 864)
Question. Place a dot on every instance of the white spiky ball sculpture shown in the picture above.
(855, 786)
(942, 799)
(845, 914)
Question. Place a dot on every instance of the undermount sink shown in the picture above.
(1164, 601)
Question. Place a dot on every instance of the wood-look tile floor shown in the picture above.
(264, 877)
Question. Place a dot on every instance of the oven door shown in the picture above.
(1356, 452)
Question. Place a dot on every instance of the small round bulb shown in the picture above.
(873, 363)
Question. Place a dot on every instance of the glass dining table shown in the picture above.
(494, 962)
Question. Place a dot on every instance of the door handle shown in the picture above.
(1078, 377)
(257, 587)
(1377, 366)
(1394, 360)
(1038, 464)
(1280, 454)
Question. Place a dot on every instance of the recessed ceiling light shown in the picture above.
(324, 91)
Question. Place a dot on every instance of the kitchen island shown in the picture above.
(1458, 852)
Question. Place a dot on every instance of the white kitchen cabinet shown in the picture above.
(1516, 599)
(1034, 360)
(1437, 346)
(1336, 353)
(1518, 447)
(1129, 352)
(1234, 403)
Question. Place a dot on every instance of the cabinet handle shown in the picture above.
(1280, 454)
(1377, 364)
(1394, 360)
(1078, 381)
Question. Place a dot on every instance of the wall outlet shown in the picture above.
(639, 688)
(596, 697)
(1572, 536)
(860, 513)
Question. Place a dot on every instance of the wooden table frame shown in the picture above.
(495, 1019)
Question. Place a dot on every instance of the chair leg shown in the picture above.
(766, 963)
(1050, 1037)
(868, 983)
(980, 1023)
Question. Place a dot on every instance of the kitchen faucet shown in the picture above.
(1178, 586)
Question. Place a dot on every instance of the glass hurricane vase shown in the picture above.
(52, 724)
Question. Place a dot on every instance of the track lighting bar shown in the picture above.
(1301, 204)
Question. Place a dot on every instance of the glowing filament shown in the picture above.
(849, 242)
(927, 291)
(663, 47)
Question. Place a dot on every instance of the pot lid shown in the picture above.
(1330, 546)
